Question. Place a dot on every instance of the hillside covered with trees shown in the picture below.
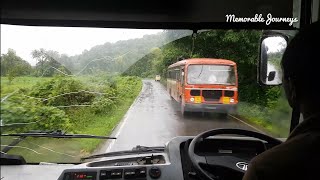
(108, 57)
(117, 57)
(263, 105)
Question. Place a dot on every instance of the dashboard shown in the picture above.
(173, 163)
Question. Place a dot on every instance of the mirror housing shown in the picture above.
(272, 47)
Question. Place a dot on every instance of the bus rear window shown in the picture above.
(211, 74)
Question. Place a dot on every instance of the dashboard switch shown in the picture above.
(116, 173)
(111, 174)
(129, 173)
(142, 172)
(155, 172)
(135, 173)
(105, 175)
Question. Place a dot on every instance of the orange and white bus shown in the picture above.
(204, 85)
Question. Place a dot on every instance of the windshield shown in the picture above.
(115, 82)
(211, 74)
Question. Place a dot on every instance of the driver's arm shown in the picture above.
(251, 173)
(266, 165)
(287, 160)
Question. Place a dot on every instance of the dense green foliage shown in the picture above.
(21, 109)
(62, 91)
(25, 82)
(114, 96)
(51, 103)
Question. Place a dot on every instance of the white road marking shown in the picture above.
(119, 128)
(246, 124)
(117, 133)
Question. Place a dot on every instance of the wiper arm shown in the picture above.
(136, 150)
(56, 134)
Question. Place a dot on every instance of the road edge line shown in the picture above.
(246, 123)
(116, 131)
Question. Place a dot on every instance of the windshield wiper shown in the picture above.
(56, 134)
(136, 150)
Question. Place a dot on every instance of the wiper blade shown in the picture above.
(16, 124)
(136, 150)
(56, 134)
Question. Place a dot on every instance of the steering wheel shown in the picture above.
(229, 162)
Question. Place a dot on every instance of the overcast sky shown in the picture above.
(67, 40)
(275, 44)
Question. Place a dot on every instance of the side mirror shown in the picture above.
(271, 51)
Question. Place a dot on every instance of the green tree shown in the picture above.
(47, 64)
(13, 65)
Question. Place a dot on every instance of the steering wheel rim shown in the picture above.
(195, 158)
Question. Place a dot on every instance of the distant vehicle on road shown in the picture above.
(204, 85)
(158, 77)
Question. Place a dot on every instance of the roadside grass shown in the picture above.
(35, 150)
(99, 125)
(275, 121)
(85, 121)
(19, 82)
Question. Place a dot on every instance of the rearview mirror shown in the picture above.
(271, 51)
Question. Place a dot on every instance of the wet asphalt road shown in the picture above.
(154, 119)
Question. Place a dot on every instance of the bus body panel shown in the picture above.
(172, 87)
(202, 97)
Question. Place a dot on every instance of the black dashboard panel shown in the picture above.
(80, 175)
(242, 148)
(173, 163)
(137, 172)
(246, 149)
(145, 160)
